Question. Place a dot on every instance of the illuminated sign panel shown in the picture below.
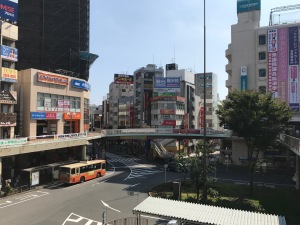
(9, 75)
(53, 79)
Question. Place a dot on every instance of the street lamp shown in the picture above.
(71, 119)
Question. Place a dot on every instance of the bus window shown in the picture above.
(64, 170)
(90, 167)
(98, 166)
(73, 171)
(83, 169)
(103, 166)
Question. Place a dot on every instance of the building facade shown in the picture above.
(211, 99)
(143, 92)
(54, 36)
(51, 104)
(265, 59)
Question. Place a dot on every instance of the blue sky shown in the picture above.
(130, 34)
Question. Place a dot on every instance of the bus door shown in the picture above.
(77, 173)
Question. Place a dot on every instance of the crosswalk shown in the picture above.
(79, 220)
(137, 170)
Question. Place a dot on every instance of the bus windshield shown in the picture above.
(64, 170)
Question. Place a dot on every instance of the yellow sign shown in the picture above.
(9, 75)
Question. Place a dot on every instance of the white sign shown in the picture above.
(35, 178)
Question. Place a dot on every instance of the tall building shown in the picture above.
(264, 58)
(211, 99)
(187, 91)
(54, 36)
(121, 102)
(9, 76)
(143, 92)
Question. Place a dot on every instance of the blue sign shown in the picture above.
(166, 82)
(9, 53)
(243, 83)
(293, 46)
(9, 10)
(247, 5)
(37, 115)
(80, 84)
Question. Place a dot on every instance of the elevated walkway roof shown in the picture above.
(204, 214)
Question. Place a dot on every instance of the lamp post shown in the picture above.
(71, 120)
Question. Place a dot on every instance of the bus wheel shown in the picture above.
(81, 179)
(98, 175)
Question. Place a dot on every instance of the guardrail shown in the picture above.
(292, 142)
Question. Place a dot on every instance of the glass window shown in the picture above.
(40, 100)
(73, 171)
(262, 72)
(262, 39)
(262, 55)
(262, 89)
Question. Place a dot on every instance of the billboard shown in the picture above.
(283, 65)
(166, 86)
(272, 62)
(9, 53)
(8, 10)
(123, 79)
(80, 84)
(248, 5)
(53, 79)
(9, 75)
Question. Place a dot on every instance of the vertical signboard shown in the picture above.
(293, 68)
(9, 10)
(282, 67)
(272, 62)
(243, 78)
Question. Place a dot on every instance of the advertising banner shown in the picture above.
(9, 53)
(247, 5)
(8, 97)
(293, 46)
(8, 119)
(123, 79)
(35, 178)
(9, 10)
(45, 115)
(80, 84)
(272, 40)
(53, 79)
(282, 65)
(294, 86)
(9, 75)
(166, 86)
(272, 62)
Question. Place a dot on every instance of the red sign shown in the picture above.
(169, 123)
(50, 115)
(131, 116)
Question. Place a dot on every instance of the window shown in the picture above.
(262, 89)
(262, 55)
(262, 72)
(262, 39)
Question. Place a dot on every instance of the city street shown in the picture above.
(124, 186)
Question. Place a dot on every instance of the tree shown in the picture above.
(199, 168)
(255, 117)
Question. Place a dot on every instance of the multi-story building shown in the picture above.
(211, 99)
(265, 59)
(95, 117)
(9, 76)
(143, 92)
(54, 36)
(121, 102)
(187, 91)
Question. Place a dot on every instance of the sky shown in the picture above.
(130, 34)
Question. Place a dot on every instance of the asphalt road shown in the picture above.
(122, 188)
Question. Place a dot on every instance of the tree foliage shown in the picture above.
(256, 117)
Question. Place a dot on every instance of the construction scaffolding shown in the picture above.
(52, 34)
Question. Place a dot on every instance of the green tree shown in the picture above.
(255, 117)
(199, 168)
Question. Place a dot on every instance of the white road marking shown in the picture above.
(107, 206)
(74, 218)
(23, 198)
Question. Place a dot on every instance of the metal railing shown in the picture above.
(292, 142)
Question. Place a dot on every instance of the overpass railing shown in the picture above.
(292, 142)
